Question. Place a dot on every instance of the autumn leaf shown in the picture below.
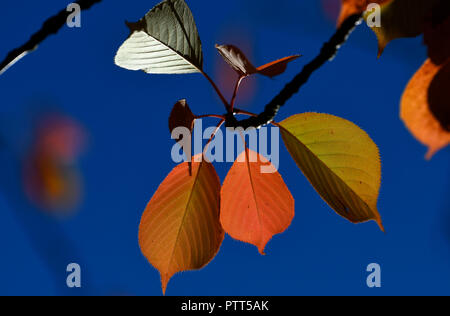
(350, 7)
(340, 160)
(425, 106)
(181, 116)
(236, 59)
(403, 18)
(276, 67)
(255, 202)
(180, 228)
(241, 64)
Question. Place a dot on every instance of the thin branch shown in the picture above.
(328, 52)
(210, 116)
(51, 26)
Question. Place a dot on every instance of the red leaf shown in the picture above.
(237, 59)
(277, 67)
(255, 206)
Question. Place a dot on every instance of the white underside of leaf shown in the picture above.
(142, 52)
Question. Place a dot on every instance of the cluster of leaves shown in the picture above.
(425, 105)
(184, 223)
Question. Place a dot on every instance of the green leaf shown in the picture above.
(164, 41)
(340, 160)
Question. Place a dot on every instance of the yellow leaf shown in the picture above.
(340, 160)
(180, 229)
(424, 106)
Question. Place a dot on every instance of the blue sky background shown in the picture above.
(125, 114)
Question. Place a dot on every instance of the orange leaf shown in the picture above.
(277, 67)
(255, 205)
(350, 7)
(180, 228)
(424, 106)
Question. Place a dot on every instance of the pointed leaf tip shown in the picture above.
(180, 229)
(424, 107)
(276, 67)
(242, 65)
(236, 59)
(340, 161)
(255, 205)
(164, 41)
(401, 19)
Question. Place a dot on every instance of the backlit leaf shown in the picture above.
(165, 41)
(255, 205)
(276, 67)
(240, 63)
(340, 160)
(425, 106)
(180, 228)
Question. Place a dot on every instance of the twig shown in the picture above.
(328, 52)
(236, 88)
(51, 26)
(213, 135)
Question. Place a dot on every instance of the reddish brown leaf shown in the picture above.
(181, 116)
(425, 106)
(277, 67)
(255, 206)
(180, 228)
(240, 63)
(236, 59)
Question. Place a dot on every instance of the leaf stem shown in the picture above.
(328, 52)
(210, 116)
(236, 88)
(212, 135)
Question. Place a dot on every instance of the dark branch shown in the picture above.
(328, 52)
(51, 26)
